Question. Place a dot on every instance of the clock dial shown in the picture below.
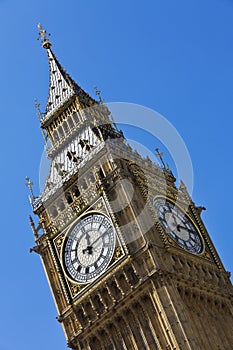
(89, 247)
(178, 226)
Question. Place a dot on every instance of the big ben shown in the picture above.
(125, 251)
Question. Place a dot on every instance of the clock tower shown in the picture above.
(128, 259)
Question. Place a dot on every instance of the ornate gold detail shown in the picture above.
(59, 242)
(207, 255)
(118, 253)
(75, 289)
(170, 240)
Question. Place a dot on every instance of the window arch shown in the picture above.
(69, 198)
(60, 131)
(75, 117)
(84, 184)
(55, 136)
(66, 128)
(91, 177)
(70, 123)
(61, 205)
(76, 191)
(53, 211)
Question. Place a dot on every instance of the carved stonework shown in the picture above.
(59, 241)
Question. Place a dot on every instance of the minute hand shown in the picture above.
(96, 240)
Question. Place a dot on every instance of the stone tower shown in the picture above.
(128, 259)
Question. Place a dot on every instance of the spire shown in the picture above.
(61, 86)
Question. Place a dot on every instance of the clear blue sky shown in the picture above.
(175, 57)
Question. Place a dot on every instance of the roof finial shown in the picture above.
(160, 156)
(34, 230)
(40, 116)
(43, 36)
(37, 106)
(98, 93)
(29, 184)
(166, 168)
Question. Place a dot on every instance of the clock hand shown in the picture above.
(88, 249)
(90, 245)
(96, 240)
(101, 236)
(180, 226)
(184, 228)
(88, 239)
(174, 218)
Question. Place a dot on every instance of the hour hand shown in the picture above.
(175, 220)
(180, 227)
(88, 249)
(88, 239)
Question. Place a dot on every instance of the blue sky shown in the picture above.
(175, 57)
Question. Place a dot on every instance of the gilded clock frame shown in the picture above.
(116, 239)
(169, 238)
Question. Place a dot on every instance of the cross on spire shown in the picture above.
(43, 36)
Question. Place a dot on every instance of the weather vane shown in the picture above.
(43, 36)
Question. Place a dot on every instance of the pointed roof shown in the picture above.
(61, 86)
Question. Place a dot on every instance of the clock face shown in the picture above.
(89, 247)
(178, 226)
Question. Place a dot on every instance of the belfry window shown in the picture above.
(61, 132)
(84, 184)
(55, 136)
(76, 191)
(61, 205)
(53, 211)
(101, 173)
(71, 123)
(75, 117)
(91, 177)
(69, 198)
(65, 126)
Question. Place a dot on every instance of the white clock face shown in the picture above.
(178, 226)
(89, 247)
